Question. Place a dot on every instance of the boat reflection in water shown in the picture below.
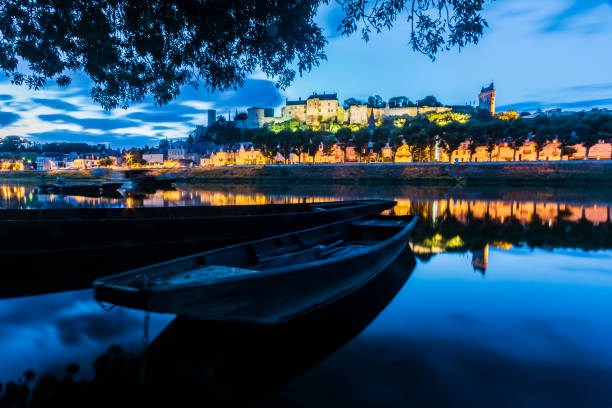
(196, 362)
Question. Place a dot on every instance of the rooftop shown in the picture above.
(488, 88)
(324, 96)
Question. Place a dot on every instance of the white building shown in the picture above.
(153, 158)
(49, 161)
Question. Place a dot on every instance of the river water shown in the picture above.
(503, 300)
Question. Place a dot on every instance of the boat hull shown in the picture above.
(265, 298)
(60, 253)
(283, 297)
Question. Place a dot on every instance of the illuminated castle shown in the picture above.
(486, 98)
(320, 108)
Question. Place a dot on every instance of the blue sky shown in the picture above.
(544, 53)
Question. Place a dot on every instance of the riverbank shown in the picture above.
(496, 173)
(411, 173)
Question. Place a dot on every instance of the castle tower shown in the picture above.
(480, 259)
(212, 117)
(486, 98)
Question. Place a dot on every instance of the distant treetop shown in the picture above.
(429, 100)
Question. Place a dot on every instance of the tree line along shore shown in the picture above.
(438, 137)
(435, 137)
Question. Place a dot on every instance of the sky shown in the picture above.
(540, 54)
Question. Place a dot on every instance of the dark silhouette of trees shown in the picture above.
(429, 100)
(434, 25)
(452, 136)
(133, 49)
(400, 101)
(16, 144)
(375, 101)
(350, 102)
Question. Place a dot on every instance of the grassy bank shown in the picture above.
(375, 174)
(48, 176)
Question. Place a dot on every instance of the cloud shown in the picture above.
(27, 310)
(56, 104)
(531, 106)
(579, 15)
(94, 326)
(591, 87)
(93, 123)
(6, 118)
(584, 104)
(255, 92)
(155, 117)
(124, 140)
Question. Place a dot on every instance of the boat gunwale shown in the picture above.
(260, 274)
(308, 209)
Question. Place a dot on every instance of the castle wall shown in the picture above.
(318, 110)
(255, 118)
(296, 112)
(315, 110)
(358, 114)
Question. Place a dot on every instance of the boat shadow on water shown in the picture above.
(216, 363)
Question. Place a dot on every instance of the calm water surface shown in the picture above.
(504, 301)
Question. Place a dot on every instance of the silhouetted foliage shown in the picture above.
(435, 25)
(429, 100)
(131, 49)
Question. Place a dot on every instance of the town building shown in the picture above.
(182, 151)
(153, 158)
(50, 161)
(403, 154)
(250, 156)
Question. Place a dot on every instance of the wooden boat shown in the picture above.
(51, 250)
(86, 190)
(266, 281)
(234, 353)
(142, 180)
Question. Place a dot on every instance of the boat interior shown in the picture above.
(330, 241)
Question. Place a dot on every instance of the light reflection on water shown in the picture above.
(535, 331)
(482, 321)
(519, 206)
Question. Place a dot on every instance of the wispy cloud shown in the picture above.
(580, 15)
(585, 104)
(69, 114)
(6, 118)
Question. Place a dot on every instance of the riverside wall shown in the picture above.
(394, 173)
(417, 173)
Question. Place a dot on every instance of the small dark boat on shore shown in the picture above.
(267, 281)
(142, 180)
(51, 250)
(85, 190)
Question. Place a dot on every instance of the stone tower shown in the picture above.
(212, 117)
(486, 98)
